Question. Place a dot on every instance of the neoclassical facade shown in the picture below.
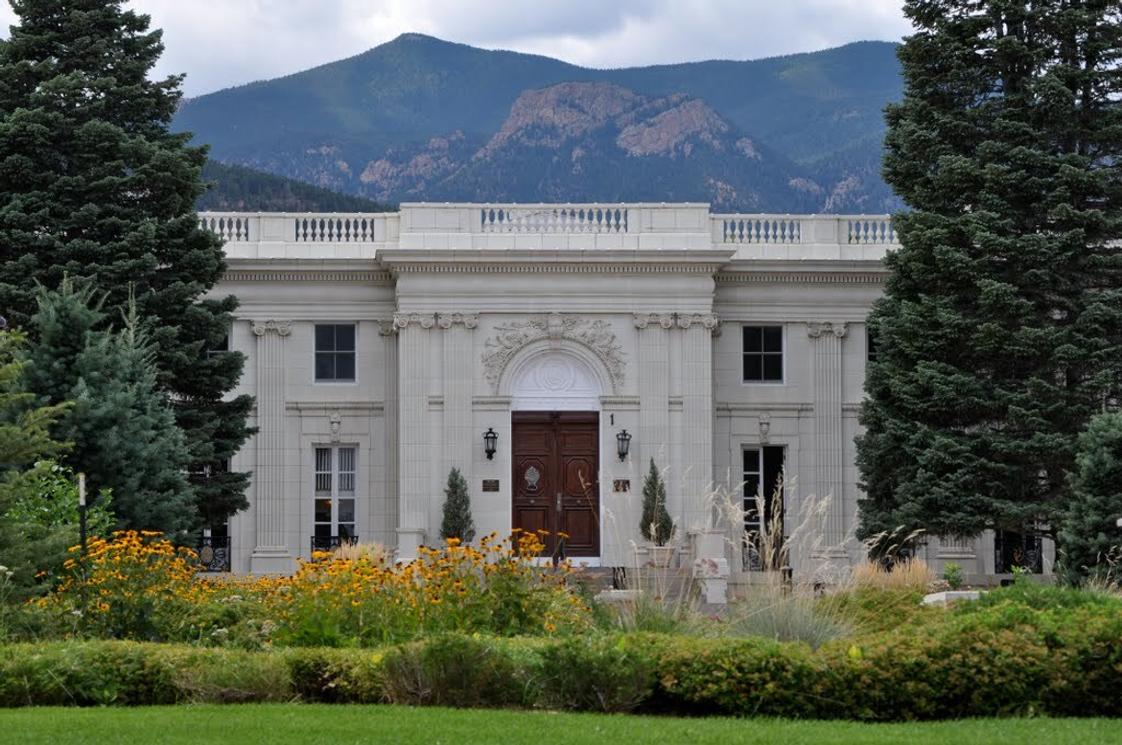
(550, 353)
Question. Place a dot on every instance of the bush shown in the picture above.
(769, 612)
(453, 670)
(596, 674)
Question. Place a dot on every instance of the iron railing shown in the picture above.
(332, 542)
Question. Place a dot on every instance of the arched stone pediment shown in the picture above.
(553, 379)
(583, 337)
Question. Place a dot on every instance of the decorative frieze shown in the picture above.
(510, 338)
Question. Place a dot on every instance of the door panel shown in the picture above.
(555, 478)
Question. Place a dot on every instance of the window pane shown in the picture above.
(753, 367)
(346, 460)
(346, 531)
(323, 530)
(323, 459)
(323, 510)
(753, 339)
(345, 338)
(344, 366)
(773, 367)
(751, 461)
(325, 366)
(346, 510)
(773, 338)
(325, 338)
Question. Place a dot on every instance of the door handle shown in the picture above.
(558, 501)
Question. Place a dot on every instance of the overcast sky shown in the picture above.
(220, 43)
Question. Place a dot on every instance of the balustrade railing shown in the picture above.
(842, 230)
(759, 229)
(578, 218)
(356, 228)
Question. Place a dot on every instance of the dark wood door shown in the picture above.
(555, 466)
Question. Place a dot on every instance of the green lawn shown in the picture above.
(278, 724)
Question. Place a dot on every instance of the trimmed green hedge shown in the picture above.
(1002, 658)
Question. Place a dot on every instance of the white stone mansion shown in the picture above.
(524, 345)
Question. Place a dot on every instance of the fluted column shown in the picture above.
(414, 449)
(389, 517)
(271, 554)
(829, 432)
(458, 366)
(697, 415)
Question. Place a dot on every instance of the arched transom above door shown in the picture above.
(555, 331)
(554, 380)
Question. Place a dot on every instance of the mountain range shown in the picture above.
(421, 119)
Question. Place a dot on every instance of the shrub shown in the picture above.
(453, 670)
(336, 676)
(606, 674)
(457, 522)
(655, 523)
(769, 612)
(952, 575)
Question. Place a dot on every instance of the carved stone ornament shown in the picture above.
(281, 328)
(336, 422)
(533, 475)
(765, 428)
(448, 320)
(816, 329)
(511, 337)
(664, 320)
(705, 320)
(424, 320)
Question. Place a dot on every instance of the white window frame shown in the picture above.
(782, 351)
(334, 381)
(335, 493)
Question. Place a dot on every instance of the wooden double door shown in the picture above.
(556, 462)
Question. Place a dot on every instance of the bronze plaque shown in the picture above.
(490, 484)
(621, 485)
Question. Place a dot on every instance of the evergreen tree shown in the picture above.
(1089, 532)
(93, 185)
(457, 522)
(121, 425)
(1000, 331)
(655, 524)
(24, 438)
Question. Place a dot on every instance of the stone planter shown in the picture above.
(660, 555)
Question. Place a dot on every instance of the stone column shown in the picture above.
(459, 439)
(653, 437)
(829, 433)
(414, 449)
(389, 513)
(271, 553)
(697, 416)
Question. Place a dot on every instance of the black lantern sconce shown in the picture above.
(490, 443)
(623, 444)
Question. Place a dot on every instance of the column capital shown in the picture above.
(280, 328)
(705, 320)
(816, 329)
(448, 320)
(664, 320)
(424, 320)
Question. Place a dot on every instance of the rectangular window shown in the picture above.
(221, 347)
(763, 530)
(333, 501)
(870, 344)
(763, 354)
(335, 352)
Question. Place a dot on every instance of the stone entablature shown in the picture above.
(550, 227)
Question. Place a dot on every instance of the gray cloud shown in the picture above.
(229, 42)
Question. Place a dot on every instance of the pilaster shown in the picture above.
(458, 438)
(829, 433)
(271, 554)
(414, 454)
(697, 415)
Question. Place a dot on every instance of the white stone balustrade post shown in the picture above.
(271, 553)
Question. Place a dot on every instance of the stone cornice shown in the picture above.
(547, 267)
(310, 275)
(802, 277)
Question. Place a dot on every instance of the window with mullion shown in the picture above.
(335, 352)
(334, 493)
(763, 354)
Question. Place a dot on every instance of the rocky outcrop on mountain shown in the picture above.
(423, 119)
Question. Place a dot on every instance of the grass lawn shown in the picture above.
(278, 724)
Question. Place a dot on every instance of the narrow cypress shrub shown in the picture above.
(457, 522)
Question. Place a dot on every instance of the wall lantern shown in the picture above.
(490, 442)
(623, 444)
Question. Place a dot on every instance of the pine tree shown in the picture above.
(1000, 331)
(1089, 532)
(24, 438)
(94, 185)
(655, 524)
(121, 425)
(457, 522)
